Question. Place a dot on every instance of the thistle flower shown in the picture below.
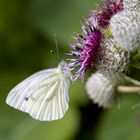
(107, 11)
(101, 90)
(125, 27)
(86, 48)
(112, 61)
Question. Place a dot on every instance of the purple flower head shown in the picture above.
(105, 13)
(86, 48)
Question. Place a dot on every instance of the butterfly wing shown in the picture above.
(44, 95)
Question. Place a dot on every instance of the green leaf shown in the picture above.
(123, 123)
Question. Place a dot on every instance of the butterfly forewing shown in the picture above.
(44, 95)
(19, 95)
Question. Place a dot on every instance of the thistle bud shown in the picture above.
(125, 27)
(112, 61)
(131, 5)
(101, 90)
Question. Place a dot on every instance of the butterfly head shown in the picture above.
(65, 69)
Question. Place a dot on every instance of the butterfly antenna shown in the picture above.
(57, 48)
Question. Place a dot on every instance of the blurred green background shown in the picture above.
(26, 41)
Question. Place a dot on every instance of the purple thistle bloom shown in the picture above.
(86, 48)
(105, 13)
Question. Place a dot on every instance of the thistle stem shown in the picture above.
(133, 81)
(128, 89)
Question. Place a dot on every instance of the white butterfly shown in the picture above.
(44, 95)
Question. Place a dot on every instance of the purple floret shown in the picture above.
(86, 48)
(105, 13)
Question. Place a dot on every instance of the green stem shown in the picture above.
(133, 81)
(135, 64)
